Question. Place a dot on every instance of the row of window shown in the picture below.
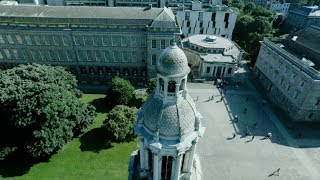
(160, 43)
(110, 71)
(78, 40)
(68, 55)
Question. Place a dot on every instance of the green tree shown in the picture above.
(260, 25)
(151, 85)
(237, 3)
(248, 8)
(40, 110)
(120, 92)
(119, 122)
(263, 12)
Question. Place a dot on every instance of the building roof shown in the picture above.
(309, 37)
(307, 10)
(173, 120)
(217, 58)
(110, 15)
(173, 61)
(218, 42)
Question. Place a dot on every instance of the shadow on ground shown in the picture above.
(257, 121)
(100, 105)
(95, 140)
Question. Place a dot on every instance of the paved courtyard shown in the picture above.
(240, 158)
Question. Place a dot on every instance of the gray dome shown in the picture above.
(173, 120)
(173, 61)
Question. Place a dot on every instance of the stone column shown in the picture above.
(215, 73)
(214, 70)
(142, 153)
(192, 152)
(156, 167)
(221, 73)
(165, 86)
(177, 88)
(177, 167)
(226, 71)
(186, 161)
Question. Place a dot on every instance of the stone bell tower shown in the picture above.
(168, 124)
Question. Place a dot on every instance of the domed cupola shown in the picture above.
(173, 61)
(169, 124)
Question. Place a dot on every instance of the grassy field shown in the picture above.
(91, 156)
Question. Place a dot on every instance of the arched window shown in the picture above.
(166, 169)
(172, 86)
(100, 70)
(91, 70)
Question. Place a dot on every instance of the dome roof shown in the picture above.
(173, 120)
(173, 61)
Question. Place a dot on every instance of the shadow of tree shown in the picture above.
(95, 140)
(17, 165)
(100, 105)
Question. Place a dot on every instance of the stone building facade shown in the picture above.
(288, 70)
(95, 43)
(212, 56)
(168, 125)
(302, 17)
(216, 20)
(278, 7)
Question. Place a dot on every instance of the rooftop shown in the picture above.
(217, 58)
(213, 42)
(106, 15)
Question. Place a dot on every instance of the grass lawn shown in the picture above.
(88, 157)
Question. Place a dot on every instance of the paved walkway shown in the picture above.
(241, 158)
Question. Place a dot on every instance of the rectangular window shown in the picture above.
(81, 55)
(98, 55)
(153, 44)
(163, 44)
(95, 41)
(134, 55)
(213, 17)
(16, 54)
(108, 56)
(87, 40)
(106, 41)
(115, 41)
(89, 55)
(188, 23)
(208, 70)
(124, 41)
(42, 55)
(201, 30)
(56, 40)
(37, 39)
(201, 24)
(47, 40)
(153, 59)
(214, 25)
(53, 55)
(116, 56)
(226, 17)
(33, 55)
(125, 57)
(143, 42)
(70, 56)
(28, 40)
(65, 41)
(227, 25)
(134, 42)
(2, 40)
(76, 40)
(10, 40)
(7, 53)
(19, 39)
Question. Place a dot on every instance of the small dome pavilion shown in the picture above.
(168, 124)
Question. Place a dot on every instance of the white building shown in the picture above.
(217, 20)
(168, 125)
(211, 56)
(278, 7)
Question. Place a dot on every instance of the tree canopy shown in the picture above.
(253, 23)
(151, 85)
(119, 92)
(119, 122)
(40, 110)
